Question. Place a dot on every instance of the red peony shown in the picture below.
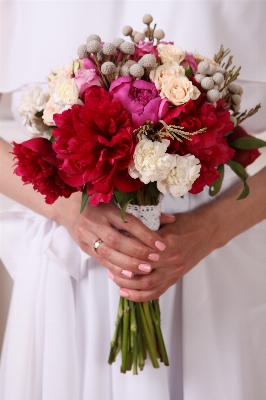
(36, 164)
(243, 157)
(95, 144)
(210, 147)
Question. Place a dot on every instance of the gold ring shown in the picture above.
(97, 244)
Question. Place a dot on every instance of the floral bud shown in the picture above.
(93, 46)
(93, 37)
(108, 68)
(207, 83)
(127, 30)
(147, 19)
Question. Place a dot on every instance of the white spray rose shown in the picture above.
(32, 102)
(37, 128)
(164, 72)
(179, 90)
(171, 52)
(65, 92)
(183, 173)
(150, 161)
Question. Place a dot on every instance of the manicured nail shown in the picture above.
(170, 216)
(160, 245)
(129, 274)
(110, 275)
(144, 267)
(153, 257)
(123, 293)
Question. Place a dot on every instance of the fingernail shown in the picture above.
(110, 275)
(144, 267)
(123, 293)
(153, 257)
(170, 216)
(160, 245)
(129, 274)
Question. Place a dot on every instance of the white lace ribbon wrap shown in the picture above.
(148, 215)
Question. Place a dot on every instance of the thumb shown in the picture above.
(166, 218)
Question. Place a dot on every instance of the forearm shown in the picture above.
(230, 217)
(12, 186)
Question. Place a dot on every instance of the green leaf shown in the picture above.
(241, 172)
(217, 184)
(123, 199)
(247, 143)
(84, 199)
(189, 71)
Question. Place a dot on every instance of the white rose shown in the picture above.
(65, 92)
(31, 103)
(150, 161)
(178, 90)
(171, 52)
(183, 173)
(165, 72)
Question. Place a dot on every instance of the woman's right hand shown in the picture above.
(122, 255)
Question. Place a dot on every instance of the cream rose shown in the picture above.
(66, 71)
(165, 72)
(65, 92)
(150, 161)
(171, 52)
(49, 111)
(178, 90)
(183, 173)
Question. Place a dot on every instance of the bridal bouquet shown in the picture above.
(128, 121)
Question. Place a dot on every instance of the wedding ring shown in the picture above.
(97, 244)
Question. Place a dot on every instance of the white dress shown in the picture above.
(63, 306)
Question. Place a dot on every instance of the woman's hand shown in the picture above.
(188, 241)
(195, 234)
(122, 255)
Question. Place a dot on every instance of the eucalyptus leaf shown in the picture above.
(247, 143)
(217, 184)
(241, 172)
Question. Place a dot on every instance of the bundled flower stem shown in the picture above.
(138, 325)
(137, 332)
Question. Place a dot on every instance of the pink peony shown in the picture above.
(140, 98)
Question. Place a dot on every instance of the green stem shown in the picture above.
(114, 343)
(148, 317)
(134, 344)
(161, 344)
(125, 336)
(148, 339)
(140, 341)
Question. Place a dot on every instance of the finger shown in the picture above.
(146, 295)
(137, 229)
(166, 218)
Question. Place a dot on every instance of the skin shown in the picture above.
(181, 243)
